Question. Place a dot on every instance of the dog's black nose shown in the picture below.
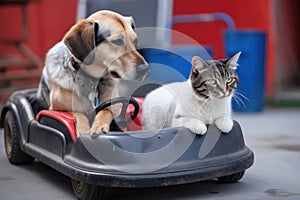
(142, 68)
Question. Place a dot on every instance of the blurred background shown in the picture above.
(30, 28)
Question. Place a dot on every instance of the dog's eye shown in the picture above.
(118, 42)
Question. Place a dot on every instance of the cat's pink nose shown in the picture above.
(224, 90)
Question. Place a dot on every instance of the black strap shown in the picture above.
(75, 64)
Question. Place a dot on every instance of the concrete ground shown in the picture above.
(273, 135)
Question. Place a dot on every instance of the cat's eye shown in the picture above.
(212, 81)
(229, 80)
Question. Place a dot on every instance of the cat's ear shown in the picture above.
(197, 64)
(232, 62)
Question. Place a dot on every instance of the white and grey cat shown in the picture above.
(205, 98)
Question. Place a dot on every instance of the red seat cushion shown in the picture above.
(68, 120)
(136, 124)
(65, 118)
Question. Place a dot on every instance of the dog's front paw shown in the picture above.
(98, 130)
(82, 130)
(225, 124)
(196, 126)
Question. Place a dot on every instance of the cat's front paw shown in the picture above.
(225, 124)
(196, 126)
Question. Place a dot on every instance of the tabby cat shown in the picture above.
(205, 98)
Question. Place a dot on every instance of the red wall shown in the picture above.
(247, 14)
(48, 21)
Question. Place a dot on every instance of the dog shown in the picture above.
(83, 69)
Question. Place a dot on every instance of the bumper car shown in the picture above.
(127, 156)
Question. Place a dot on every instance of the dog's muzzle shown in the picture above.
(136, 72)
(142, 70)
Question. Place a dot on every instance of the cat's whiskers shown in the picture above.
(238, 100)
(251, 101)
(238, 96)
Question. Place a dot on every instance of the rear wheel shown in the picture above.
(233, 178)
(84, 191)
(13, 150)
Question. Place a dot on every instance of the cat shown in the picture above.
(205, 98)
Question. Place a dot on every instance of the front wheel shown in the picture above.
(85, 191)
(233, 178)
(13, 150)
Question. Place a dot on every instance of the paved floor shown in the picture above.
(273, 135)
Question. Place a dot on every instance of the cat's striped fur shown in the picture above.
(205, 98)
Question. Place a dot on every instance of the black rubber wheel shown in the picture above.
(84, 191)
(14, 153)
(233, 178)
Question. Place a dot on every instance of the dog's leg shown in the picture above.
(102, 122)
(60, 98)
(103, 119)
(82, 123)
(63, 100)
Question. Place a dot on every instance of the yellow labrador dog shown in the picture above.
(82, 70)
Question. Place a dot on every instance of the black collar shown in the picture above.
(77, 67)
(75, 64)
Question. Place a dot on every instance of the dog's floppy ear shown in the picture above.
(80, 40)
